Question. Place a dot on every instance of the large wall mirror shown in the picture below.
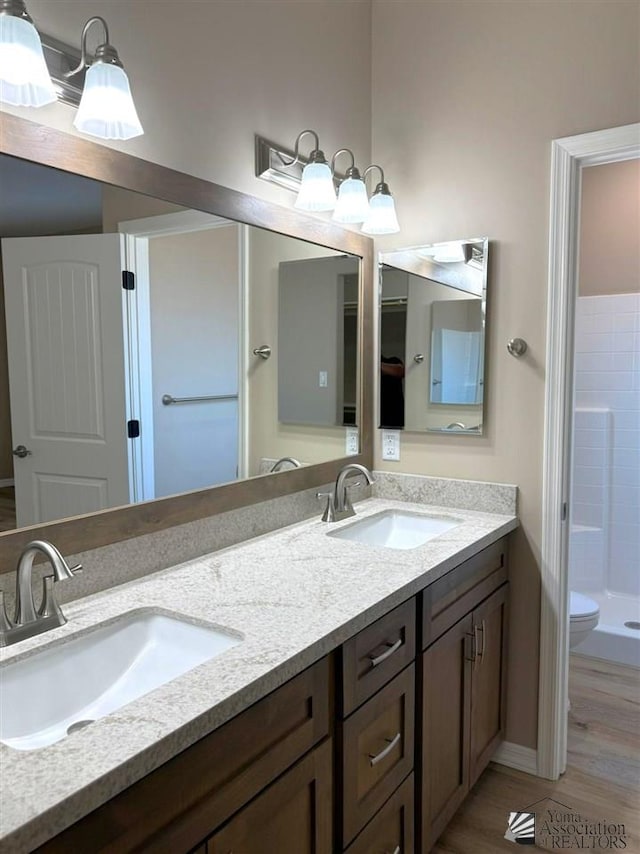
(432, 337)
(232, 340)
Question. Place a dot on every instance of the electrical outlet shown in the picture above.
(352, 443)
(323, 379)
(391, 445)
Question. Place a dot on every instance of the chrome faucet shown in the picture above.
(278, 465)
(26, 622)
(338, 502)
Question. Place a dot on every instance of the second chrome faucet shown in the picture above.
(339, 504)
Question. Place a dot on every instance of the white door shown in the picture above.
(63, 298)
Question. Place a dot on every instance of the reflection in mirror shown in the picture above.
(432, 337)
(123, 387)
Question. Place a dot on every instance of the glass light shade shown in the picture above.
(448, 253)
(353, 203)
(317, 192)
(24, 78)
(106, 107)
(382, 217)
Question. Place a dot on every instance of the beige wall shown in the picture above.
(467, 97)
(120, 205)
(208, 75)
(610, 229)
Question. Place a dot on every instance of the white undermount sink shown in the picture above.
(66, 686)
(396, 529)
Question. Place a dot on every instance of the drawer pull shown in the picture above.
(391, 648)
(392, 742)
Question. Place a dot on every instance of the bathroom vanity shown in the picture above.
(363, 701)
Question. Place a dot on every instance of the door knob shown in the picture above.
(21, 451)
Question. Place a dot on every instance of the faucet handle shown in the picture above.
(5, 622)
(329, 514)
(76, 570)
(49, 606)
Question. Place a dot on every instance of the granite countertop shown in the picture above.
(294, 595)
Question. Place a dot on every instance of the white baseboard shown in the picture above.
(516, 756)
(6, 481)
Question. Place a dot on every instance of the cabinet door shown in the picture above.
(446, 687)
(488, 680)
(292, 815)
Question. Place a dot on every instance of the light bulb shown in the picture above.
(106, 108)
(352, 204)
(24, 78)
(317, 192)
(382, 217)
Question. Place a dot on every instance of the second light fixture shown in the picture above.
(352, 205)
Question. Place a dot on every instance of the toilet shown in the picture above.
(584, 615)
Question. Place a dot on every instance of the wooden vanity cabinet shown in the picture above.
(462, 685)
(377, 766)
(176, 808)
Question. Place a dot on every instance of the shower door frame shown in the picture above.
(568, 157)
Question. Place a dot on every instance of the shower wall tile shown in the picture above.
(606, 463)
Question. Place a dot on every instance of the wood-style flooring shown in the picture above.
(7, 508)
(602, 780)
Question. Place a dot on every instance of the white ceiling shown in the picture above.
(36, 200)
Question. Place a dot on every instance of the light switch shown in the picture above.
(323, 379)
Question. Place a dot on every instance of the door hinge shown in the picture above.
(128, 280)
(564, 511)
(133, 428)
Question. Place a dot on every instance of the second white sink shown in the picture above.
(65, 686)
(396, 529)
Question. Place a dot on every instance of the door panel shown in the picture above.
(488, 688)
(446, 680)
(63, 301)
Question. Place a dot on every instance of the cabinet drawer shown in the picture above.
(175, 807)
(292, 815)
(458, 592)
(374, 656)
(377, 744)
(390, 831)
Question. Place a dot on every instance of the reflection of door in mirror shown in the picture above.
(456, 352)
(317, 304)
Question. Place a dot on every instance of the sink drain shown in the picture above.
(78, 725)
(633, 624)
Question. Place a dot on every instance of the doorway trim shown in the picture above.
(568, 157)
(137, 328)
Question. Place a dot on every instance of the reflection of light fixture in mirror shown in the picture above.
(24, 78)
(353, 203)
(382, 217)
(317, 192)
(450, 253)
(106, 109)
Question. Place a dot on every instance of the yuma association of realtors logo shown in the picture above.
(559, 827)
(521, 828)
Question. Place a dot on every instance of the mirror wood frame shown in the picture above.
(27, 140)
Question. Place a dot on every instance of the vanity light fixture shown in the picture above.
(316, 185)
(35, 71)
(317, 192)
(353, 203)
(382, 217)
(106, 108)
(24, 77)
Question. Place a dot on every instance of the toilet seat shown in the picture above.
(581, 607)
